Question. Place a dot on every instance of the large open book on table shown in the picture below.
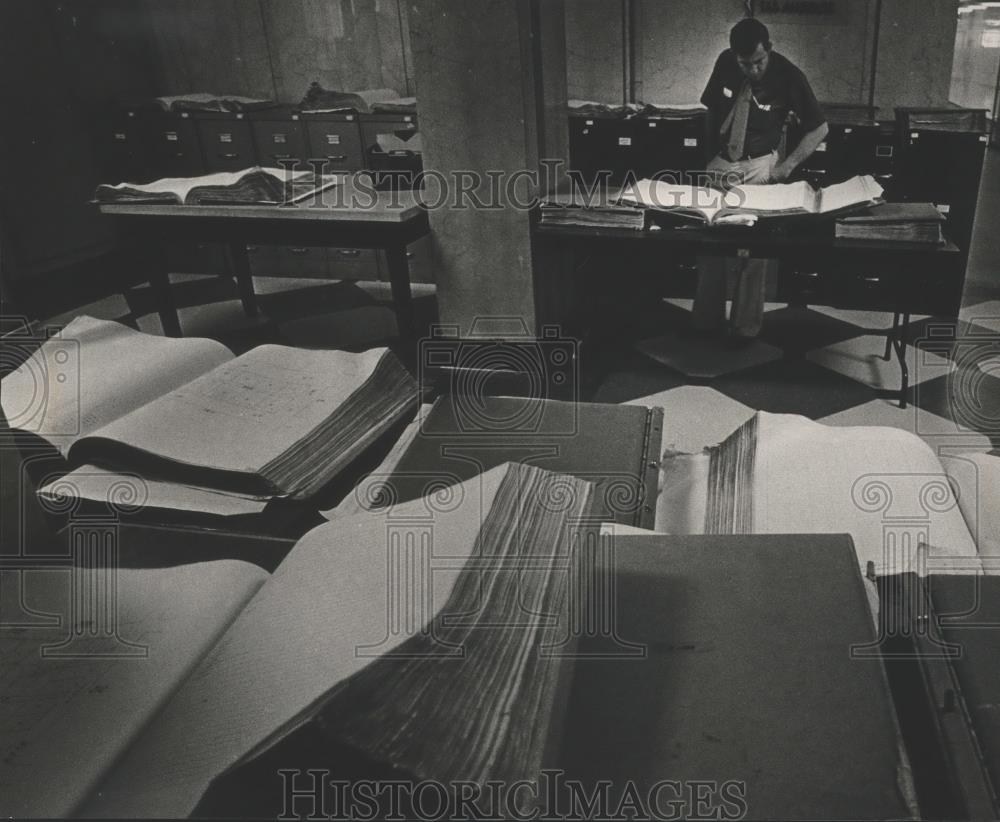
(252, 186)
(274, 422)
(446, 607)
(745, 202)
(907, 508)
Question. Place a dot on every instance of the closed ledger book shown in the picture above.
(253, 186)
(615, 447)
(743, 204)
(191, 420)
(899, 222)
(598, 211)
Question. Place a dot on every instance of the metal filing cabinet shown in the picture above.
(674, 145)
(940, 160)
(335, 138)
(226, 140)
(393, 149)
(122, 147)
(601, 143)
(857, 143)
(173, 147)
(280, 137)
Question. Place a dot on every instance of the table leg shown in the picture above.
(399, 278)
(159, 281)
(239, 263)
(890, 336)
(898, 341)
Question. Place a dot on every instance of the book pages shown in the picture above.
(71, 708)
(775, 198)
(90, 482)
(659, 194)
(181, 186)
(248, 411)
(883, 486)
(95, 371)
(856, 191)
(323, 616)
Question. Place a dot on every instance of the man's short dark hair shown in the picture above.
(747, 34)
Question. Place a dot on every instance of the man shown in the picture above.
(750, 96)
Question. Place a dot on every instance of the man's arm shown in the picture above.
(807, 145)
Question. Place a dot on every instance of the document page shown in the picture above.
(856, 191)
(96, 484)
(181, 186)
(320, 618)
(247, 411)
(782, 197)
(666, 196)
(70, 708)
(95, 371)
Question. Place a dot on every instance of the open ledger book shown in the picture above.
(217, 658)
(252, 186)
(274, 422)
(742, 203)
(907, 508)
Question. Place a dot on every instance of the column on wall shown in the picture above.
(482, 74)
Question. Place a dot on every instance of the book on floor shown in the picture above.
(275, 422)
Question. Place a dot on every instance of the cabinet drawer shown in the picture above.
(174, 148)
(227, 144)
(263, 260)
(353, 264)
(280, 140)
(301, 261)
(339, 143)
(196, 258)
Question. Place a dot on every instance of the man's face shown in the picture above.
(754, 65)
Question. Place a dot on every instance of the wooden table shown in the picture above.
(339, 217)
(817, 269)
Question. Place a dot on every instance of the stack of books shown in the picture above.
(894, 222)
(597, 211)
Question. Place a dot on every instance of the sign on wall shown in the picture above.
(802, 11)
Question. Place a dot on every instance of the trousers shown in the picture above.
(747, 314)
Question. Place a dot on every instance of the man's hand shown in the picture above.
(780, 173)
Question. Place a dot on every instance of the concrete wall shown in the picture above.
(974, 72)
(481, 111)
(677, 41)
(276, 48)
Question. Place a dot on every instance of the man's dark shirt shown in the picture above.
(782, 89)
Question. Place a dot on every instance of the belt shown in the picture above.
(747, 157)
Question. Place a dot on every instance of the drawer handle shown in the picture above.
(872, 280)
(349, 252)
(338, 157)
(229, 156)
(810, 274)
(282, 156)
(409, 255)
(298, 250)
